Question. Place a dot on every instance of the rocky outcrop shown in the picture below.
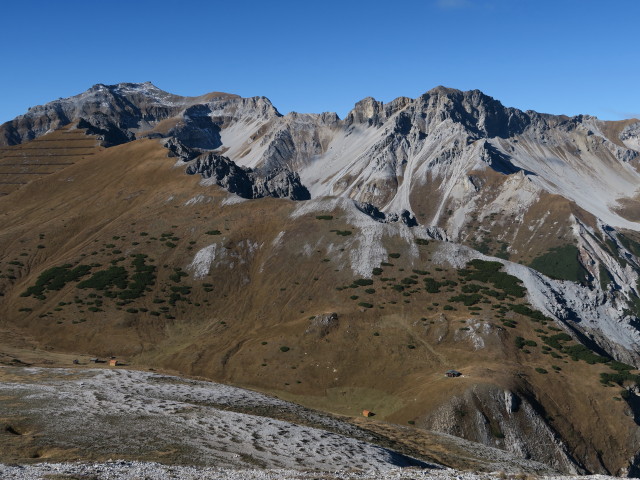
(197, 129)
(178, 149)
(503, 419)
(280, 184)
(246, 183)
(630, 136)
(108, 133)
(323, 324)
(405, 216)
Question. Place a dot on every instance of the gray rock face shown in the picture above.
(503, 419)
(382, 217)
(223, 172)
(280, 184)
(198, 129)
(630, 136)
(178, 149)
(125, 107)
(245, 182)
(128, 111)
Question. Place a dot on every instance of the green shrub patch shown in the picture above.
(106, 279)
(489, 272)
(561, 263)
(467, 300)
(55, 279)
(528, 312)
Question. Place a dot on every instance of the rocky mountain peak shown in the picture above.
(367, 111)
(480, 114)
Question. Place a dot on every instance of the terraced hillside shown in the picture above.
(51, 153)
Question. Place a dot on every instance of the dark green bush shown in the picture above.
(619, 378)
(620, 367)
(183, 289)
(433, 286)
(561, 263)
(56, 278)
(177, 275)
(580, 352)
(467, 300)
(555, 340)
(528, 312)
(489, 272)
(106, 279)
(144, 276)
(471, 288)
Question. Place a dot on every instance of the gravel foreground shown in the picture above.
(127, 470)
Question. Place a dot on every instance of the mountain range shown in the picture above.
(344, 264)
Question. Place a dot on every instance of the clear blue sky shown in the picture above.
(555, 56)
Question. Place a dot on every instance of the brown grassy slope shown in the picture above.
(261, 297)
(613, 129)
